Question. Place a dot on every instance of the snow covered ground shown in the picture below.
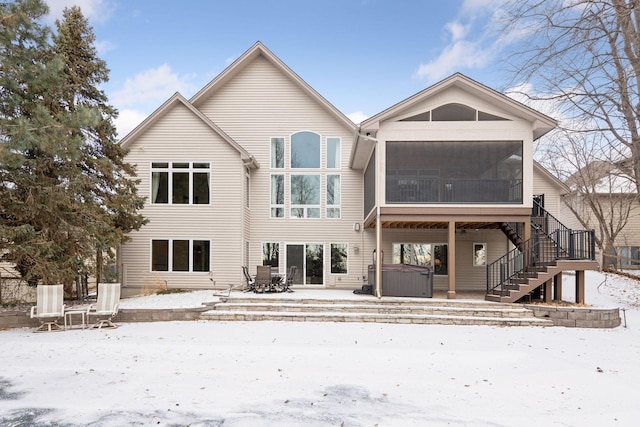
(325, 374)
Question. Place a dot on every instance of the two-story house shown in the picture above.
(259, 169)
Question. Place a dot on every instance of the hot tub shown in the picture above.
(404, 280)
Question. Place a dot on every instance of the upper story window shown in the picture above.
(453, 112)
(305, 150)
(180, 183)
(301, 176)
(277, 153)
(333, 153)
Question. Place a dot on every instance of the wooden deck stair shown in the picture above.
(370, 309)
(527, 281)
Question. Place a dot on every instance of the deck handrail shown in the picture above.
(564, 243)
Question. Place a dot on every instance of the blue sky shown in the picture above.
(361, 55)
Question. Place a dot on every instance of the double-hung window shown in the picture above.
(180, 255)
(180, 183)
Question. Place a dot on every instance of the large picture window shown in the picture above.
(305, 196)
(430, 254)
(180, 255)
(180, 183)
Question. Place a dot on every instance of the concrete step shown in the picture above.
(381, 310)
(480, 311)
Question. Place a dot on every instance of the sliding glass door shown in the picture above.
(309, 260)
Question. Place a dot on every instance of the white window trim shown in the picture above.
(288, 157)
(170, 171)
(284, 197)
(284, 152)
(292, 206)
(326, 196)
(473, 254)
(326, 158)
(338, 243)
(170, 259)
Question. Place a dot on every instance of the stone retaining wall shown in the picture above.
(577, 317)
(21, 319)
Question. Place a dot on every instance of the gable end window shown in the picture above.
(180, 183)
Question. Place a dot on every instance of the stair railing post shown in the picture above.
(502, 279)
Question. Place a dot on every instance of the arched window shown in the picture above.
(454, 113)
(305, 150)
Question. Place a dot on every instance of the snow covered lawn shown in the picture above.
(326, 374)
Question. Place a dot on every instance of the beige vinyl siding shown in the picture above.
(259, 103)
(542, 184)
(181, 136)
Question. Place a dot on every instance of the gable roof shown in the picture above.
(541, 122)
(258, 49)
(178, 99)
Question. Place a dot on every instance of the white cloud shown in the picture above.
(103, 47)
(127, 120)
(94, 10)
(461, 54)
(151, 86)
(357, 117)
(476, 38)
(457, 30)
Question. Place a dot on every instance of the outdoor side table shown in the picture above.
(68, 316)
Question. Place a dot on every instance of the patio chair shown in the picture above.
(263, 279)
(49, 307)
(289, 280)
(107, 305)
(251, 282)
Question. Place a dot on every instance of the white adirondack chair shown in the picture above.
(49, 307)
(107, 305)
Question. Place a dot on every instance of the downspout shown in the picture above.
(378, 253)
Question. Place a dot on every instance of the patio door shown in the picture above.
(309, 259)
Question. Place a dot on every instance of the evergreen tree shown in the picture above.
(65, 190)
(109, 183)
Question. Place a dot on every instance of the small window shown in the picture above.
(479, 254)
(339, 256)
(277, 196)
(333, 196)
(160, 255)
(201, 255)
(333, 153)
(277, 153)
(271, 254)
(180, 255)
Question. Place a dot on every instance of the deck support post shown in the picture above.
(547, 290)
(580, 286)
(451, 260)
(557, 287)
